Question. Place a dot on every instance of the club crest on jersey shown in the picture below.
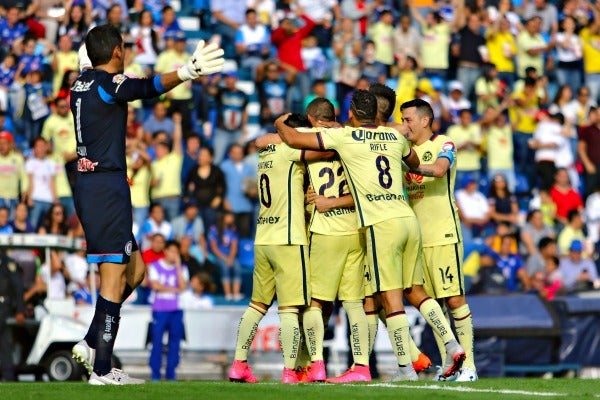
(448, 147)
(427, 156)
(413, 178)
(128, 248)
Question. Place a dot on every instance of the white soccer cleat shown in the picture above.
(114, 377)
(84, 355)
(407, 373)
(439, 378)
(467, 375)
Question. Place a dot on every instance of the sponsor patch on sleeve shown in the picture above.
(448, 151)
(118, 80)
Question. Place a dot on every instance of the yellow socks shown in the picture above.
(463, 322)
(359, 331)
(247, 330)
(314, 331)
(397, 327)
(289, 336)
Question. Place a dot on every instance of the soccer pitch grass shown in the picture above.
(496, 389)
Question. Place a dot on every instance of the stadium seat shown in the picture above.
(247, 87)
(246, 253)
(522, 185)
(189, 24)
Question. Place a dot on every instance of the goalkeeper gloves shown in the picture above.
(206, 60)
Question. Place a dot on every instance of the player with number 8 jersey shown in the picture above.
(372, 158)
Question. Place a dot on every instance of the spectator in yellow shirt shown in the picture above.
(502, 49)
(13, 179)
(526, 104)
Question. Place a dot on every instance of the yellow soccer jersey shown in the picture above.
(63, 188)
(140, 184)
(432, 199)
(372, 159)
(13, 178)
(328, 179)
(281, 194)
(61, 132)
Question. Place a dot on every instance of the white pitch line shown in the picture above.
(469, 389)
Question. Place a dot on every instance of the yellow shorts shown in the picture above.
(442, 266)
(283, 271)
(394, 254)
(337, 265)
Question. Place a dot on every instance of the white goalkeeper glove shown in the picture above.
(206, 60)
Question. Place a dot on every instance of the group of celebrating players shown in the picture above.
(382, 226)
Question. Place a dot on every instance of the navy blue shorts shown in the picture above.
(103, 205)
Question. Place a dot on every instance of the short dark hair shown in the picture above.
(250, 11)
(545, 242)
(572, 214)
(423, 108)
(318, 82)
(59, 99)
(364, 105)
(296, 120)
(386, 99)
(100, 43)
(321, 109)
(172, 243)
(529, 81)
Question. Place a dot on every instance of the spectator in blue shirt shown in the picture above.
(5, 226)
(232, 115)
(83, 295)
(158, 121)
(237, 174)
(511, 265)
(11, 29)
(223, 240)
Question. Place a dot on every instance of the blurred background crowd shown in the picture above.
(514, 84)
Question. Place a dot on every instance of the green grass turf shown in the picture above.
(495, 389)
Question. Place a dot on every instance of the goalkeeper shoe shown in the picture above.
(114, 377)
(240, 372)
(84, 355)
(357, 373)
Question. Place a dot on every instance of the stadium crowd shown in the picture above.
(515, 85)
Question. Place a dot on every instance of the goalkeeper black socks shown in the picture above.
(107, 318)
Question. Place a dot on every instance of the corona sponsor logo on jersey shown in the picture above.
(413, 178)
(362, 135)
(414, 186)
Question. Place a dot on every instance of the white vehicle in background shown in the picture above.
(43, 345)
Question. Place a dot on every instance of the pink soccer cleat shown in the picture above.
(240, 372)
(289, 376)
(357, 373)
(302, 373)
(317, 372)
